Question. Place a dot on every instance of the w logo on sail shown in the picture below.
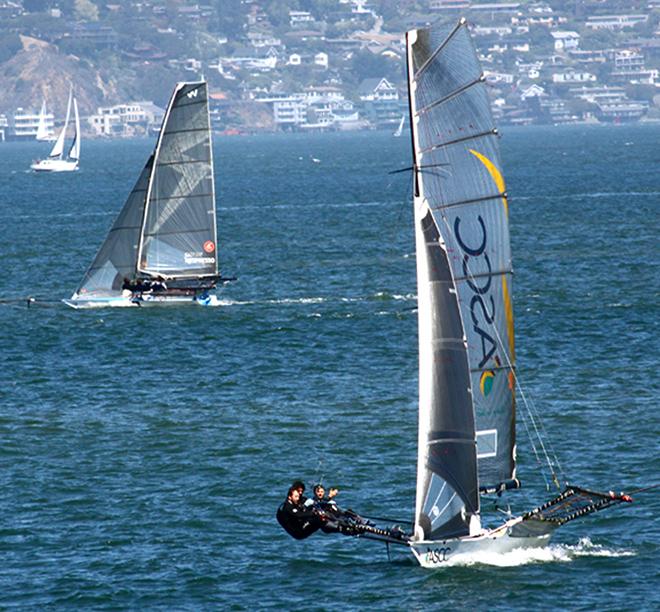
(192, 93)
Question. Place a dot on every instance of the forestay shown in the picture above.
(178, 237)
(464, 278)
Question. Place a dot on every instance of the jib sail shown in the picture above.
(464, 284)
(117, 256)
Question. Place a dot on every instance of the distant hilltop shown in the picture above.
(303, 64)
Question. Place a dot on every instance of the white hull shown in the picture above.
(54, 165)
(438, 553)
(79, 302)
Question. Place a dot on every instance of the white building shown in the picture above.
(377, 89)
(573, 76)
(495, 78)
(300, 19)
(126, 119)
(314, 108)
(565, 40)
(615, 22)
(27, 122)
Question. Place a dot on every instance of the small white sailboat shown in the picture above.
(44, 127)
(399, 130)
(161, 249)
(57, 161)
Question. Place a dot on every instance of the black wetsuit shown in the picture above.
(297, 520)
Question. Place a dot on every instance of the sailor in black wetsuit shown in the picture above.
(298, 521)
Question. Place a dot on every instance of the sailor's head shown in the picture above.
(299, 485)
(319, 491)
(294, 494)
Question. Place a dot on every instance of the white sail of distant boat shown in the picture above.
(44, 132)
(399, 130)
(56, 160)
(466, 443)
(161, 249)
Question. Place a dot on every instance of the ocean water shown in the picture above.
(143, 452)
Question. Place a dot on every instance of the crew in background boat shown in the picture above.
(143, 285)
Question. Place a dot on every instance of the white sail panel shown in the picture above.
(458, 164)
(58, 148)
(74, 151)
(179, 226)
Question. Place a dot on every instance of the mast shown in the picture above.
(178, 237)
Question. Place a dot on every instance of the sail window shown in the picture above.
(486, 443)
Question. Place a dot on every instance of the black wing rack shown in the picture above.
(572, 503)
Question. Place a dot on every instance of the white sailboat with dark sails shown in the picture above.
(467, 379)
(162, 248)
(57, 160)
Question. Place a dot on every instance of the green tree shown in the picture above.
(85, 10)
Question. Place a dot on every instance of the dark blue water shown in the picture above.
(143, 452)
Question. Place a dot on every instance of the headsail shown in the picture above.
(74, 151)
(178, 237)
(58, 147)
(461, 193)
(116, 258)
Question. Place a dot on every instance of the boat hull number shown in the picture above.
(437, 555)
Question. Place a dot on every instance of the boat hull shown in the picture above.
(54, 165)
(80, 303)
(511, 536)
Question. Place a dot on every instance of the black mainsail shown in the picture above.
(178, 237)
(467, 402)
(167, 227)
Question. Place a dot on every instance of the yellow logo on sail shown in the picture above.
(506, 295)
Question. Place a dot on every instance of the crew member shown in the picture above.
(299, 521)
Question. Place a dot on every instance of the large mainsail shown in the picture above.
(178, 237)
(464, 284)
(116, 258)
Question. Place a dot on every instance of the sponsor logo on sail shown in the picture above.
(209, 246)
(482, 306)
(198, 258)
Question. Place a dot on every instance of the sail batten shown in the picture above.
(422, 69)
(467, 138)
(449, 96)
(497, 196)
